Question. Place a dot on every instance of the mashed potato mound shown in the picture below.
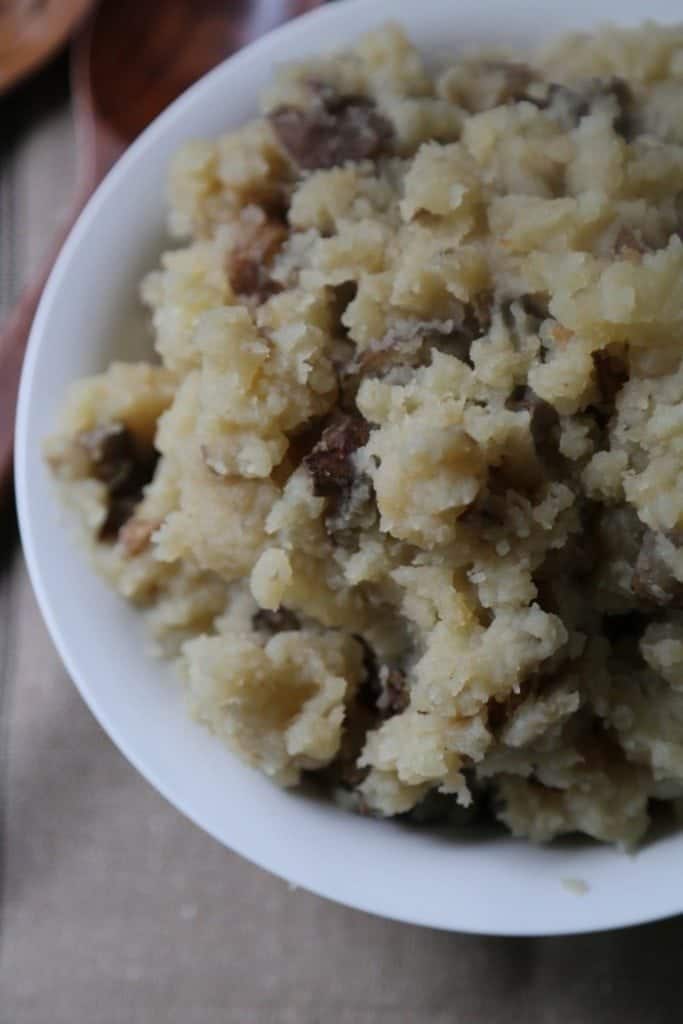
(404, 494)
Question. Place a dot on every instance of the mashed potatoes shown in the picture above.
(404, 495)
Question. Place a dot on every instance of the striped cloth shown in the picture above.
(116, 910)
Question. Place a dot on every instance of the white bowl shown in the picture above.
(88, 313)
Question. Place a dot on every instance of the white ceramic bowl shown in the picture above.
(89, 313)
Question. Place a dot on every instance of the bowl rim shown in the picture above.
(272, 44)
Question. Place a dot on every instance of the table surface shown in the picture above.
(116, 909)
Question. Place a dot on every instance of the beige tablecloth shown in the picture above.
(115, 909)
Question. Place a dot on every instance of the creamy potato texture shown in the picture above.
(404, 494)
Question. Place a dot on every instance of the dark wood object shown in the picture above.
(31, 31)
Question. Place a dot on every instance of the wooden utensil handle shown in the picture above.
(14, 337)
